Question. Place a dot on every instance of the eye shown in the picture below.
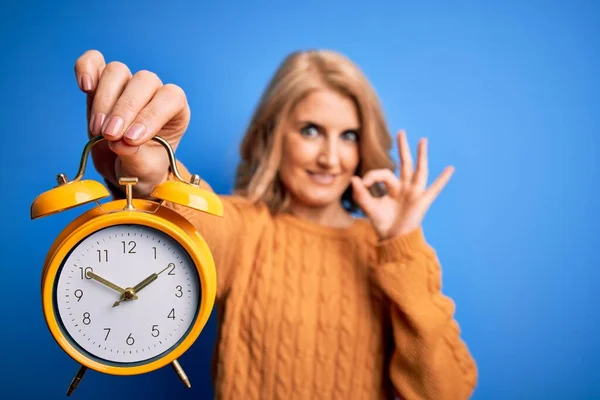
(310, 130)
(350, 135)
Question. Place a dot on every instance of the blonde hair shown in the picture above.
(257, 176)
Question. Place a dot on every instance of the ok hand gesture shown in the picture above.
(408, 199)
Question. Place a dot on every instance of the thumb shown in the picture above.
(361, 195)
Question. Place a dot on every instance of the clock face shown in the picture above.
(136, 326)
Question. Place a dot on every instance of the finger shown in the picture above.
(361, 195)
(386, 176)
(420, 178)
(112, 83)
(88, 69)
(168, 104)
(138, 92)
(406, 162)
(436, 187)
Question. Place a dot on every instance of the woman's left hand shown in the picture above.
(407, 200)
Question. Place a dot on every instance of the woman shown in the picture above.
(312, 301)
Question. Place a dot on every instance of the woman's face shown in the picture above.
(320, 148)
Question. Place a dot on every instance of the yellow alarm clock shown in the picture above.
(128, 286)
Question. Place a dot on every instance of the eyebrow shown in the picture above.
(321, 127)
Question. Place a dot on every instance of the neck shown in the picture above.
(333, 215)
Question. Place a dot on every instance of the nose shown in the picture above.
(329, 153)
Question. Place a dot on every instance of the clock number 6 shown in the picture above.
(130, 340)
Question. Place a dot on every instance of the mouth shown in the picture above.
(322, 178)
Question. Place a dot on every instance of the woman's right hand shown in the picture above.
(128, 110)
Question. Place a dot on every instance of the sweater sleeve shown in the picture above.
(429, 360)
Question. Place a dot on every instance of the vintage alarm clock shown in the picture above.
(128, 286)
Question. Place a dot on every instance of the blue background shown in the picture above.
(507, 92)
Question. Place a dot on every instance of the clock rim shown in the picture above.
(147, 214)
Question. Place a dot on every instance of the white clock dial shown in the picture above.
(138, 329)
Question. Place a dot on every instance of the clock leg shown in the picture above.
(181, 374)
(76, 379)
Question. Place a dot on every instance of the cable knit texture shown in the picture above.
(312, 312)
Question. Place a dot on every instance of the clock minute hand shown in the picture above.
(145, 282)
(133, 292)
(151, 278)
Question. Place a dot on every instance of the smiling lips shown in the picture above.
(322, 178)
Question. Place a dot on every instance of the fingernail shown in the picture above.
(91, 125)
(86, 82)
(113, 126)
(98, 121)
(135, 131)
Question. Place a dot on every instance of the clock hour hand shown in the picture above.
(106, 282)
(133, 291)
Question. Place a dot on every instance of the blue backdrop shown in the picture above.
(508, 93)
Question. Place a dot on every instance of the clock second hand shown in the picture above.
(132, 292)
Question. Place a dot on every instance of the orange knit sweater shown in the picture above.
(310, 312)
